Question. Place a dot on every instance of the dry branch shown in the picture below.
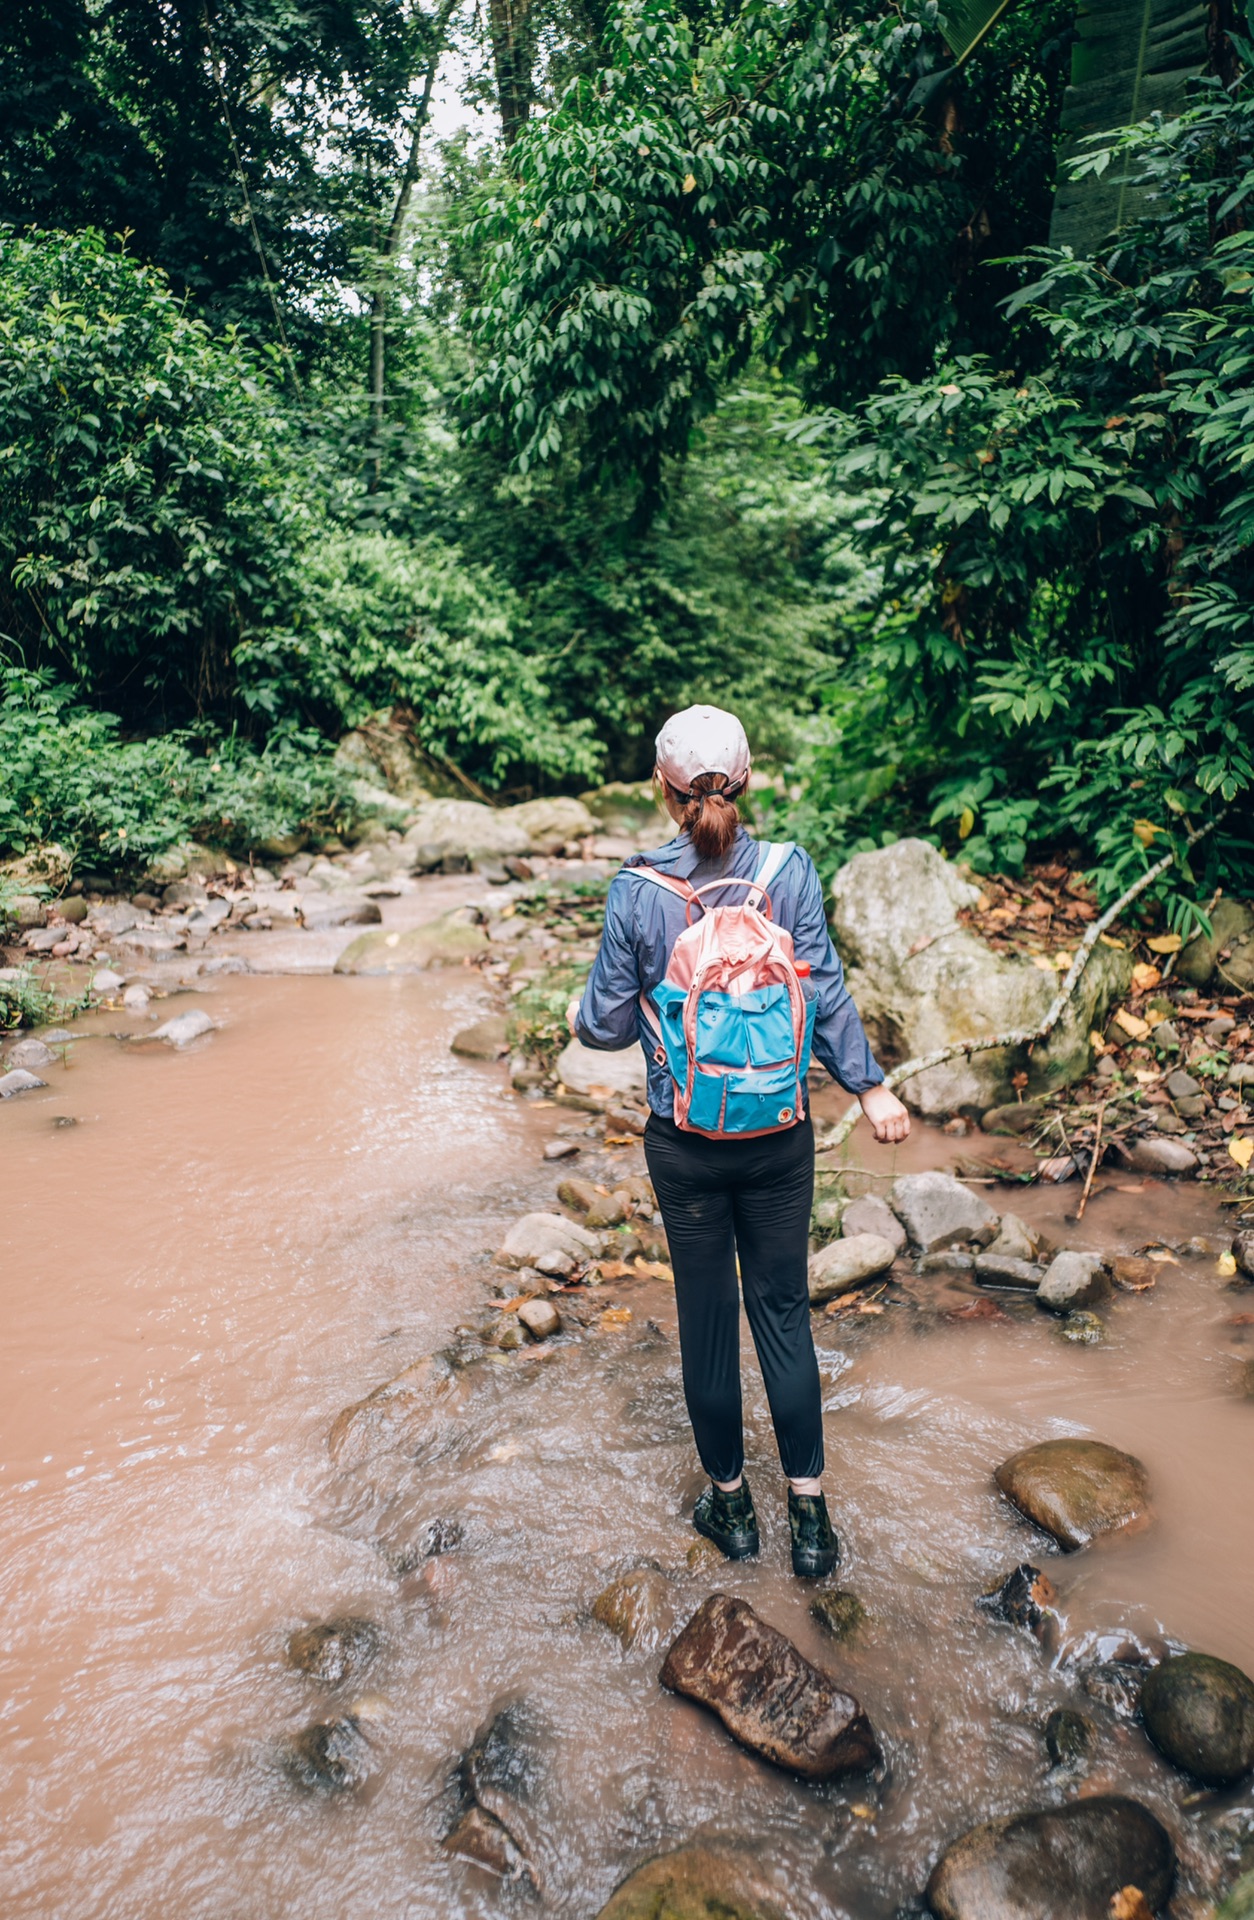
(1021, 1036)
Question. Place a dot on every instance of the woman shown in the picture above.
(726, 1198)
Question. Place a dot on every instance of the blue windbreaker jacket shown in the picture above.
(642, 924)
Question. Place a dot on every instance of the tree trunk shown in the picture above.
(513, 49)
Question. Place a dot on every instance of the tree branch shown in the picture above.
(1022, 1036)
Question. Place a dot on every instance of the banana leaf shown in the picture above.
(1130, 58)
(968, 23)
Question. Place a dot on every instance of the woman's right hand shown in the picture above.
(889, 1119)
(572, 1016)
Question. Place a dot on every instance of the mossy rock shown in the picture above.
(696, 1883)
(445, 942)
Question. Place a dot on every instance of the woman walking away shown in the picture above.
(717, 958)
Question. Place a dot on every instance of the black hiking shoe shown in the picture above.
(815, 1548)
(728, 1520)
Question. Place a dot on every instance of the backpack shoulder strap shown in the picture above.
(771, 859)
(669, 882)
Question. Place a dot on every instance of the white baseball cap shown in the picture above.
(703, 740)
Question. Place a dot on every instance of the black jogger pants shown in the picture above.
(720, 1198)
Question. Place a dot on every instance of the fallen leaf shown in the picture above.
(1043, 961)
(1116, 420)
(1138, 1029)
(615, 1317)
(614, 1269)
(1144, 976)
(1226, 1264)
(1140, 1188)
(1146, 1077)
(869, 1306)
(1165, 943)
(1130, 1904)
(1163, 1255)
(1062, 961)
(1097, 1043)
(1242, 1150)
(620, 1139)
(1108, 940)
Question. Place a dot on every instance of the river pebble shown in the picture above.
(1003, 1270)
(1199, 1712)
(695, 1883)
(1015, 1240)
(1075, 1489)
(540, 1318)
(767, 1694)
(869, 1214)
(846, 1263)
(839, 1613)
(329, 1756)
(19, 1080)
(1243, 1252)
(937, 1210)
(1064, 1863)
(334, 1650)
(31, 1054)
(1163, 1156)
(538, 1234)
(481, 1839)
(636, 1607)
(1025, 1598)
(183, 1028)
(1073, 1281)
(1068, 1737)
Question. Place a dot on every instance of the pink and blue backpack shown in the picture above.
(733, 1022)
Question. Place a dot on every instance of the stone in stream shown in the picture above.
(406, 1411)
(1004, 1270)
(1243, 1253)
(636, 1607)
(182, 1029)
(445, 942)
(839, 1613)
(589, 1071)
(843, 1264)
(538, 1234)
(1159, 1155)
(870, 1214)
(556, 1265)
(1016, 1240)
(948, 1260)
(482, 1840)
(1064, 1863)
(561, 1149)
(321, 916)
(485, 1040)
(609, 1209)
(937, 1211)
(578, 1195)
(767, 1694)
(540, 1318)
(31, 1054)
(1025, 1598)
(694, 1883)
(1082, 1329)
(1075, 1489)
(1018, 1117)
(1131, 1274)
(1199, 1712)
(1068, 1737)
(1073, 1281)
(329, 1756)
(334, 1650)
(136, 997)
(499, 1773)
(105, 980)
(19, 1081)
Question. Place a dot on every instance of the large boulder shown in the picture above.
(696, 1883)
(1065, 1863)
(766, 1692)
(869, 1214)
(380, 750)
(922, 980)
(1232, 930)
(1199, 1712)
(938, 1211)
(445, 942)
(1075, 1489)
(553, 823)
(846, 1263)
(589, 1071)
(468, 827)
(536, 1235)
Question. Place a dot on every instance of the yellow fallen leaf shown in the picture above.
(1108, 940)
(615, 1317)
(1226, 1264)
(1043, 961)
(1241, 1147)
(1165, 943)
(1097, 1043)
(1145, 976)
(1137, 1029)
(1062, 961)
(690, 182)
(620, 1139)
(966, 820)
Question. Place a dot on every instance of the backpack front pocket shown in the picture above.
(760, 1102)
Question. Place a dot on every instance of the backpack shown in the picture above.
(733, 1022)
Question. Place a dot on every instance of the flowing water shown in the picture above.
(231, 1243)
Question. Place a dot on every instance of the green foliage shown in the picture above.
(151, 505)
(66, 774)
(26, 1002)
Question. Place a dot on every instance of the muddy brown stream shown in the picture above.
(235, 1241)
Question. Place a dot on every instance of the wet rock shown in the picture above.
(556, 1266)
(578, 1195)
(1075, 1489)
(1064, 1863)
(921, 979)
(485, 1040)
(605, 1076)
(468, 828)
(608, 1210)
(405, 1411)
(1018, 1117)
(1199, 1712)
(329, 1756)
(1157, 1155)
(183, 1028)
(509, 1336)
(31, 1054)
(320, 916)
(1165, 1121)
(1115, 1684)
(695, 1883)
(766, 1692)
(846, 1263)
(948, 1260)
(540, 1318)
(1243, 1252)
(1232, 925)
(19, 1080)
(870, 1214)
(1240, 1074)
(561, 1149)
(1073, 1281)
(136, 998)
(445, 942)
(536, 1235)
(936, 1210)
(112, 918)
(1132, 1274)
(557, 821)
(482, 1840)
(1068, 1737)
(1015, 1240)
(839, 1613)
(636, 1607)
(334, 1650)
(44, 939)
(1002, 1270)
(500, 1773)
(1181, 1085)
(106, 981)
(623, 1119)
(1025, 1598)
(1082, 1329)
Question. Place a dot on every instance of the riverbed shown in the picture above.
(210, 1252)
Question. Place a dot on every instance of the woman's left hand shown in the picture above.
(572, 1014)
(889, 1119)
